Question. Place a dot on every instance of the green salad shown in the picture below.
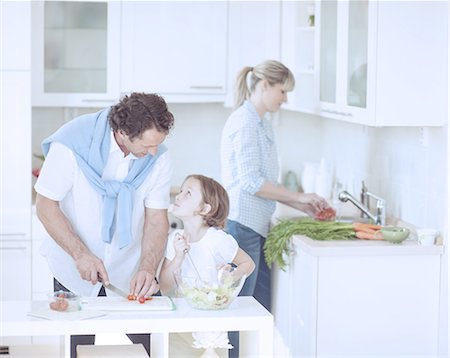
(210, 296)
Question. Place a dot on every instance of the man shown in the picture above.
(102, 195)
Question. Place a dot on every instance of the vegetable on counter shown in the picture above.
(277, 242)
(326, 214)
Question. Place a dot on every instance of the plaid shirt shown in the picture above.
(248, 159)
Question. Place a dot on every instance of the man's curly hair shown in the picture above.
(138, 112)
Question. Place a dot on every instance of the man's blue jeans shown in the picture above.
(258, 283)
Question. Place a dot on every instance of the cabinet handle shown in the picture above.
(12, 234)
(21, 248)
(206, 87)
(346, 114)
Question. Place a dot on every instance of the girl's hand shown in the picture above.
(180, 244)
(225, 271)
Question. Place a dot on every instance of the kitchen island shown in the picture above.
(245, 314)
(357, 298)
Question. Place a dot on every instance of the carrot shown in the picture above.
(369, 236)
(369, 228)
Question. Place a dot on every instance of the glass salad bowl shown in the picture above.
(210, 292)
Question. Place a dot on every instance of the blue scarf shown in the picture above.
(89, 137)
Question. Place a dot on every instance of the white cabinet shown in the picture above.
(15, 144)
(16, 270)
(298, 53)
(412, 63)
(76, 53)
(253, 37)
(15, 122)
(347, 46)
(358, 299)
(175, 48)
(383, 63)
(15, 282)
(15, 35)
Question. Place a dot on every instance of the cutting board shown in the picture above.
(47, 313)
(157, 303)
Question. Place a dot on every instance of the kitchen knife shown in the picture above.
(117, 290)
(113, 288)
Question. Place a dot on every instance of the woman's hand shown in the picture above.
(312, 203)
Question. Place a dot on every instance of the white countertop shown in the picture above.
(245, 313)
(364, 247)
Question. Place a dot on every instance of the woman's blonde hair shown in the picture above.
(272, 71)
(216, 196)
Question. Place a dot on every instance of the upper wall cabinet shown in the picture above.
(175, 48)
(254, 36)
(412, 63)
(298, 52)
(76, 52)
(383, 63)
(15, 129)
(15, 36)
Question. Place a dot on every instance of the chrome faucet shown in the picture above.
(379, 218)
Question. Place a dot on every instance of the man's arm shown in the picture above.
(60, 229)
(154, 239)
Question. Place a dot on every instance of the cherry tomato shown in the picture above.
(59, 305)
(131, 297)
(142, 300)
(327, 214)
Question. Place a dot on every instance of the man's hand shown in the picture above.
(91, 267)
(144, 284)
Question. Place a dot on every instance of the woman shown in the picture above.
(249, 167)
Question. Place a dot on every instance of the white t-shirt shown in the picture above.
(215, 248)
(62, 180)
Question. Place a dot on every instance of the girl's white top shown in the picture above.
(216, 248)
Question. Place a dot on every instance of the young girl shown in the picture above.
(203, 206)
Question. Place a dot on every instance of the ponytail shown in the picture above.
(241, 90)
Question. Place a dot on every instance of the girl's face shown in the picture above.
(189, 202)
(273, 96)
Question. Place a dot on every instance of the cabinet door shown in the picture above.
(15, 145)
(346, 54)
(75, 53)
(15, 42)
(412, 63)
(176, 48)
(15, 270)
(378, 306)
(254, 36)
